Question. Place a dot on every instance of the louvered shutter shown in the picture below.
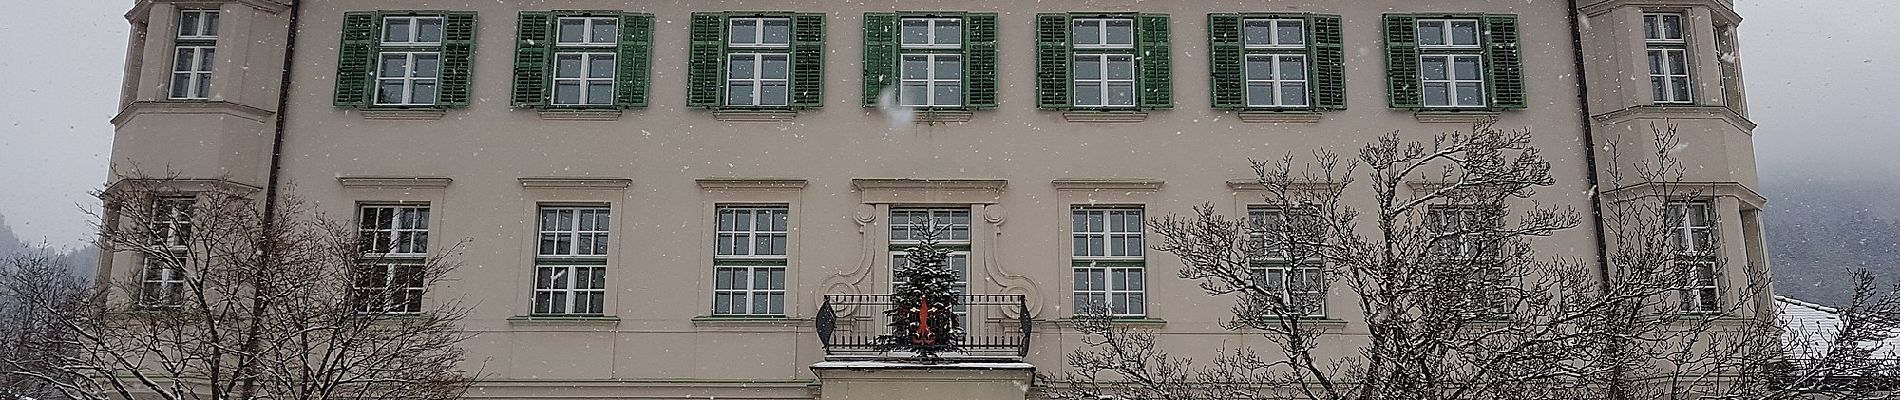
(706, 60)
(1506, 63)
(354, 55)
(1226, 61)
(880, 55)
(979, 55)
(1401, 61)
(634, 56)
(1328, 55)
(458, 59)
(1155, 58)
(1052, 61)
(808, 60)
(532, 48)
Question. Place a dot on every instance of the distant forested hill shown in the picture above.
(83, 260)
(1819, 227)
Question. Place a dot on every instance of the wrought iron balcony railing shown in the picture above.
(994, 325)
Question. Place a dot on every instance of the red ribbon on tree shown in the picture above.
(923, 323)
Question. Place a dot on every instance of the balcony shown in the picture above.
(996, 327)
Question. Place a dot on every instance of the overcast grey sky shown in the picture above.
(1821, 74)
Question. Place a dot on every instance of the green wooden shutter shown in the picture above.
(1401, 61)
(1052, 61)
(1155, 59)
(1506, 62)
(1327, 61)
(353, 66)
(706, 60)
(808, 60)
(458, 59)
(880, 55)
(1226, 61)
(532, 49)
(635, 69)
(979, 60)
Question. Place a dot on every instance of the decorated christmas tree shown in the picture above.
(922, 316)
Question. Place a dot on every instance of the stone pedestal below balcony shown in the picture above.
(901, 379)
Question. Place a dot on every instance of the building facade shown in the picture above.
(655, 196)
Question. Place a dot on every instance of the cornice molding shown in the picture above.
(183, 185)
(393, 182)
(1254, 185)
(914, 191)
(1091, 184)
(139, 108)
(1678, 112)
(574, 182)
(142, 11)
(1724, 11)
(1749, 198)
(751, 183)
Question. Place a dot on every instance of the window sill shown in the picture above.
(1280, 117)
(754, 115)
(405, 114)
(1142, 322)
(563, 320)
(1455, 116)
(751, 324)
(579, 114)
(1105, 116)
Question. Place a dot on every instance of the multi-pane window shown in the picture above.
(932, 62)
(410, 65)
(163, 279)
(1283, 264)
(196, 47)
(1466, 236)
(952, 227)
(163, 283)
(749, 260)
(1692, 238)
(395, 241)
(1109, 260)
(570, 274)
(394, 230)
(1104, 76)
(1276, 62)
(1451, 66)
(585, 55)
(388, 287)
(759, 72)
(1668, 57)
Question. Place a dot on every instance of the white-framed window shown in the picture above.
(909, 225)
(394, 230)
(1462, 232)
(584, 79)
(758, 79)
(409, 31)
(1692, 238)
(162, 284)
(1276, 80)
(932, 80)
(195, 51)
(171, 222)
(1452, 80)
(759, 32)
(1274, 33)
(1668, 58)
(1103, 33)
(750, 259)
(408, 78)
(1451, 63)
(930, 33)
(570, 273)
(1110, 260)
(587, 32)
(388, 288)
(1104, 80)
(1295, 274)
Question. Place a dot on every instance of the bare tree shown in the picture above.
(1456, 303)
(229, 302)
(36, 292)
